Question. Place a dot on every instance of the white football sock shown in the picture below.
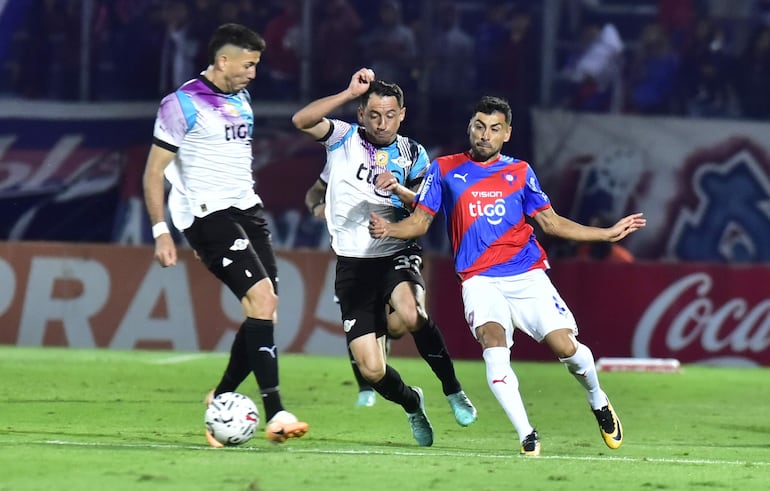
(581, 366)
(505, 386)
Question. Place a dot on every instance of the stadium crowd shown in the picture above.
(696, 58)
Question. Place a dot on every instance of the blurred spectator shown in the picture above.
(653, 73)
(338, 27)
(736, 18)
(449, 57)
(489, 40)
(180, 48)
(591, 79)
(390, 48)
(126, 33)
(254, 15)
(49, 58)
(676, 17)
(282, 57)
(753, 75)
(519, 74)
(707, 71)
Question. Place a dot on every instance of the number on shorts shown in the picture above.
(413, 262)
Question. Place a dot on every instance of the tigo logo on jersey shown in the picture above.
(494, 212)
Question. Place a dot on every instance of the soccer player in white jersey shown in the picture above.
(316, 205)
(373, 168)
(486, 197)
(202, 145)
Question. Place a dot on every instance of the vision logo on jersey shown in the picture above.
(493, 211)
(724, 215)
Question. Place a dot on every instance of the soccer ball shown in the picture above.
(232, 418)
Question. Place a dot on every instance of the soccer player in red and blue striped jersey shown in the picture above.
(486, 197)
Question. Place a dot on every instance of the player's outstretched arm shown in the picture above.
(311, 119)
(625, 226)
(413, 226)
(559, 226)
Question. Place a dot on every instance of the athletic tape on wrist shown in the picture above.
(159, 229)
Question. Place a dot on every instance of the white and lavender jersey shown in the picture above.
(210, 131)
(353, 164)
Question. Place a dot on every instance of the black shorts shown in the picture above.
(363, 287)
(236, 246)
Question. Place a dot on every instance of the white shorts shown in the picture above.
(527, 301)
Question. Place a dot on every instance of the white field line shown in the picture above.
(408, 453)
(182, 358)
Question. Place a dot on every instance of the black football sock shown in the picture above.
(238, 366)
(263, 360)
(392, 388)
(430, 344)
(363, 384)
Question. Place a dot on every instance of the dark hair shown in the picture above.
(237, 35)
(383, 89)
(489, 104)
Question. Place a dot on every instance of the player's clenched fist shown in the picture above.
(377, 226)
(359, 84)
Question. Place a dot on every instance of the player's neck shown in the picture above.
(215, 79)
(482, 160)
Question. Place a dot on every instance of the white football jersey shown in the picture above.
(211, 132)
(352, 164)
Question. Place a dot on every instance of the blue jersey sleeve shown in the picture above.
(430, 196)
(535, 198)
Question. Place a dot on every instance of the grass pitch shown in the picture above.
(97, 419)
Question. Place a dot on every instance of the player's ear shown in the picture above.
(402, 114)
(508, 134)
(220, 61)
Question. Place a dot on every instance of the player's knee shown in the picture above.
(372, 371)
(396, 330)
(562, 343)
(414, 319)
(260, 301)
(491, 335)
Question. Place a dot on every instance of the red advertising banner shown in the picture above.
(106, 296)
(696, 313)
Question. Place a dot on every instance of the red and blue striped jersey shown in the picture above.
(485, 206)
